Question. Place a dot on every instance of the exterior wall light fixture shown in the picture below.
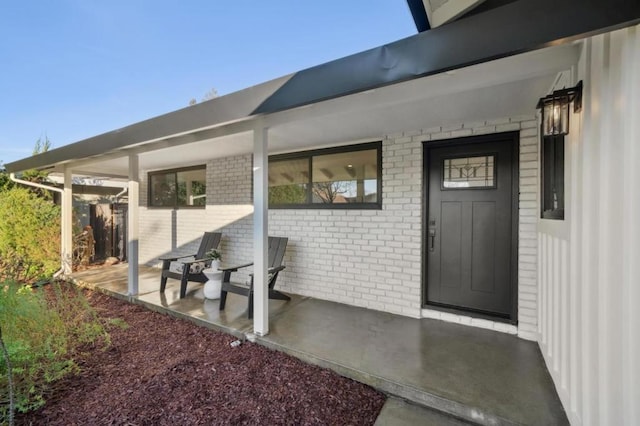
(555, 109)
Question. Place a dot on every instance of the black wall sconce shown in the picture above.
(555, 109)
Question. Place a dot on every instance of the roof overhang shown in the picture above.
(505, 87)
(502, 32)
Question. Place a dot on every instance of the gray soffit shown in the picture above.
(514, 28)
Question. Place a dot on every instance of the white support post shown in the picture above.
(260, 230)
(132, 224)
(189, 185)
(67, 223)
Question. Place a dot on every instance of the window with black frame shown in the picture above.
(342, 177)
(552, 185)
(178, 188)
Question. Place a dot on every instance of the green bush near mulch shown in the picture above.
(29, 235)
(44, 330)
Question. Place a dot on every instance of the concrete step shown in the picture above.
(480, 376)
(421, 401)
(397, 412)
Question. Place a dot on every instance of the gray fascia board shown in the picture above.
(508, 30)
(517, 27)
(226, 109)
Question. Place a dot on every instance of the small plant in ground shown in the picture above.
(7, 363)
(44, 331)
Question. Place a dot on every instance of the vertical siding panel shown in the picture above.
(551, 289)
(589, 278)
(548, 260)
(555, 301)
(564, 317)
(589, 231)
(549, 292)
(574, 403)
(541, 291)
(605, 209)
(541, 305)
(631, 252)
(616, 185)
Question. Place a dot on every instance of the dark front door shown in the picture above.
(472, 224)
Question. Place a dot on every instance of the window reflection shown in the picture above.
(288, 181)
(175, 188)
(349, 177)
(334, 176)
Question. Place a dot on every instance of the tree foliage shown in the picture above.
(287, 194)
(211, 94)
(29, 226)
(5, 182)
(328, 192)
(39, 176)
(29, 235)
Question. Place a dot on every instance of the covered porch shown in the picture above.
(231, 139)
(481, 376)
(571, 291)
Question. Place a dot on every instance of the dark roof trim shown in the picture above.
(222, 110)
(419, 15)
(513, 28)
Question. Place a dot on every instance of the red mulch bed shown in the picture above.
(165, 371)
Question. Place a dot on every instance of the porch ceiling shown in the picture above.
(505, 87)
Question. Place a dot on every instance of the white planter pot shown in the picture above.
(213, 286)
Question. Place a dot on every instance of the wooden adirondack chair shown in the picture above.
(210, 240)
(277, 247)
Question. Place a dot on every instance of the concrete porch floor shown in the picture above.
(427, 367)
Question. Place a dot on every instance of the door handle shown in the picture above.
(432, 239)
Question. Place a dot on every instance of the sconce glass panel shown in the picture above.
(555, 116)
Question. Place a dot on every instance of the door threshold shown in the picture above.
(471, 313)
(466, 320)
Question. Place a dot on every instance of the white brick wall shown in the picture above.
(368, 258)
(229, 210)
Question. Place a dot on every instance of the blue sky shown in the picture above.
(72, 69)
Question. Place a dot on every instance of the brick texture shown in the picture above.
(368, 258)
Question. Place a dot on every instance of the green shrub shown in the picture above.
(29, 236)
(44, 331)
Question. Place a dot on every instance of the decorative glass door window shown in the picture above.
(469, 172)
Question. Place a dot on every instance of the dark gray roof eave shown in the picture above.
(497, 33)
(500, 32)
(229, 108)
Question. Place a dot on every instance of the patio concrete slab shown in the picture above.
(193, 307)
(114, 279)
(474, 375)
